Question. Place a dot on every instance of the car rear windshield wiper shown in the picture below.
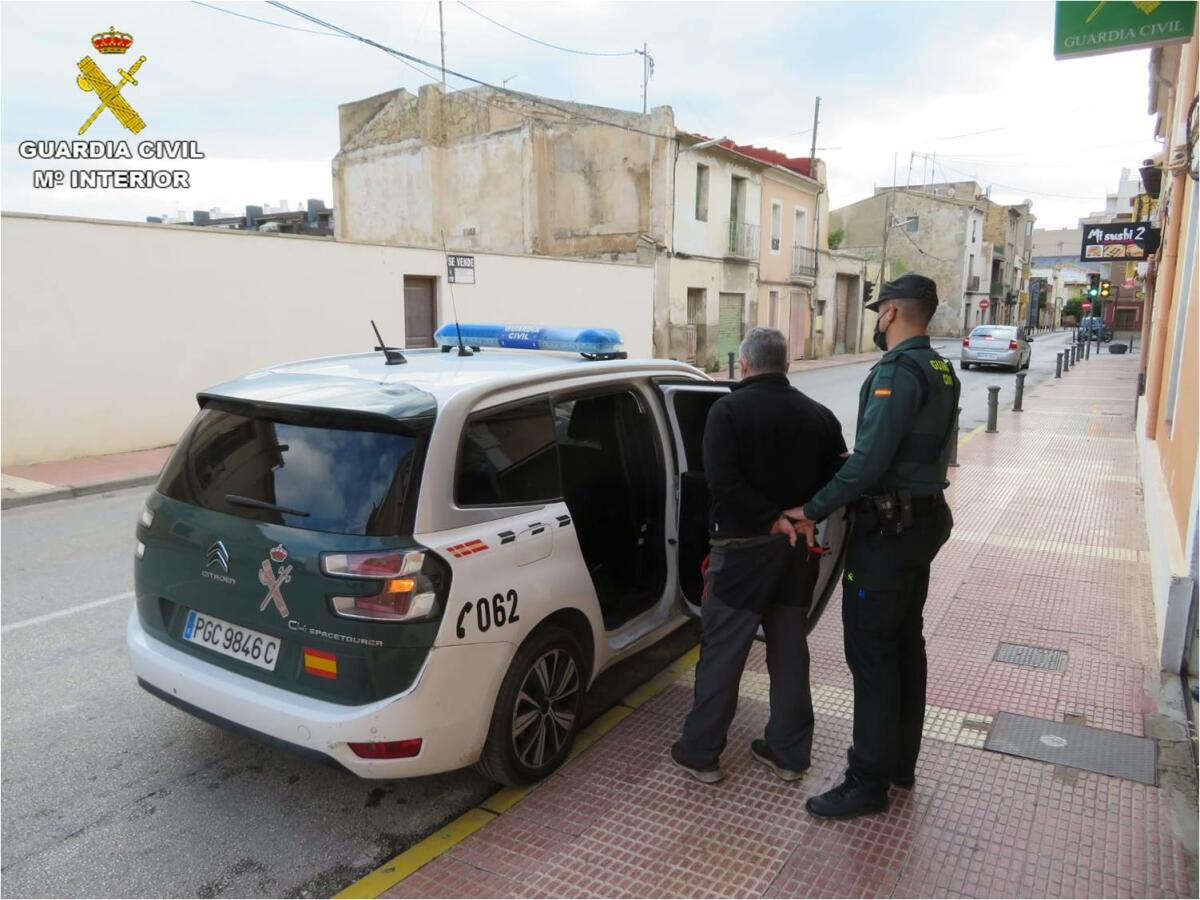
(238, 500)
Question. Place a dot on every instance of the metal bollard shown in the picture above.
(1020, 392)
(1067, 360)
(1087, 350)
(1058, 365)
(993, 407)
(731, 365)
(954, 445)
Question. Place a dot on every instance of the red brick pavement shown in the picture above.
(1049, 550)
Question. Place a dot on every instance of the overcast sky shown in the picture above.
(975, 83)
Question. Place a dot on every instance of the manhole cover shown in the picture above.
(1075, 746)
(1031, 657)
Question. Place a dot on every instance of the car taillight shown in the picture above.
(1012, 345)
(966, 342)
(404, 591)
(388, 749)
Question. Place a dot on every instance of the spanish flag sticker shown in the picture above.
(883, 392)
(320, 663)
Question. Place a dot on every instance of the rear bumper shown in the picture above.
(997, 357)
(449, 707)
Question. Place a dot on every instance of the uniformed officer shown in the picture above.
(893, 482)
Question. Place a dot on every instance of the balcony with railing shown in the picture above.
(973, 284)
(743, 240)
(804, 261)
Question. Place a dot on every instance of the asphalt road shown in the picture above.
(107, 791)
(837, 386)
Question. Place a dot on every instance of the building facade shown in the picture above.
(481, 170)
(937, 230)
(1168, 411)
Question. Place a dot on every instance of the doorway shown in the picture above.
(420, 311)
(729, 327)
(613, 483)
(797, 317)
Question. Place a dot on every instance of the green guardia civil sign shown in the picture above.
(1091, 27)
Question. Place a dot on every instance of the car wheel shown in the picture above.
(964, 366)
(537, 711)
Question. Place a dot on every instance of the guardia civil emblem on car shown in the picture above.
(274, 581)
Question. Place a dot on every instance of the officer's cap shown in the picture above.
(907, 287)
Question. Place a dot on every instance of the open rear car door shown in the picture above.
(687, 405)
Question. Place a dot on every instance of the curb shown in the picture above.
(69, 492)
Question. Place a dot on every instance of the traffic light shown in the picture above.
(1105, 290)
(1093, 290)
(868, 291)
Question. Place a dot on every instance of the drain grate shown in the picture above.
(1075, 746)
(1031, 657)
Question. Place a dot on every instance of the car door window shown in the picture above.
(508, 457)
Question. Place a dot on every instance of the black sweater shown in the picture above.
(767, 447)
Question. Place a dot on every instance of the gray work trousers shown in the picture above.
(727, 634)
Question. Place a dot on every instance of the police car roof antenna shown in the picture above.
(462, 349)
(393, 356)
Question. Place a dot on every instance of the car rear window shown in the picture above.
(348, 481)
(994, 331)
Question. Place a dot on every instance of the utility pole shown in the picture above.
(442, 31)
(647, 71)
(812, 157)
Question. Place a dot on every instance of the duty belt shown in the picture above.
(893, 513)
(924, 504)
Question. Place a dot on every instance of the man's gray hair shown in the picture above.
(764, 350)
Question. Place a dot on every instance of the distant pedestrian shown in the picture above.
(893, 481)
(767, 447)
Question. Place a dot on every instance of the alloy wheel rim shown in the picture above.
(545, 711)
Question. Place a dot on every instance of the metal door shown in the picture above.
(420, 312)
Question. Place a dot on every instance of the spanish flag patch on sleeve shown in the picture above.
(883, 392)
(320, 663)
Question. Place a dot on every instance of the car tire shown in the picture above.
(965, 366)
(537, 711)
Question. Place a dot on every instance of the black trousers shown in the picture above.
(884, 587)
(767, 583)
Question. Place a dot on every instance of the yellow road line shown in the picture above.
(396, 870)
(970, 434)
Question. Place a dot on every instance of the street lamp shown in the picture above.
(704, 145)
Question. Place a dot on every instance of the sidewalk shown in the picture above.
(41, 482)
(1049, 550)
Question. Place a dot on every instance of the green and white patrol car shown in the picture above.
(413, 562)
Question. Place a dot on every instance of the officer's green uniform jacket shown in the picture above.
(904, 429)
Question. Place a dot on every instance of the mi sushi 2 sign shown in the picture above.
(1092, 27)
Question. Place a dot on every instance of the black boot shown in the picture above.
(849, 799)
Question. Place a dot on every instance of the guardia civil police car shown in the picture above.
(410, 562)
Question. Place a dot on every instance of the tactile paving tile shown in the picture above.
(1031, 657)
(1076, 746)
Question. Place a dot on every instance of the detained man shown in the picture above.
(767, 447)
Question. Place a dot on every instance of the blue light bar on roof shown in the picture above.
(588, 341)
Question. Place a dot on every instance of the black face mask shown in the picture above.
(880, 337)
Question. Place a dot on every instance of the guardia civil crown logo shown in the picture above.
(92, 78)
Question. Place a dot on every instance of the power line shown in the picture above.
(402, 56)
(1021, 190)
(530, 37)
(263, 21)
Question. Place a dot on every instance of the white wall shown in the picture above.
(109, 329)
